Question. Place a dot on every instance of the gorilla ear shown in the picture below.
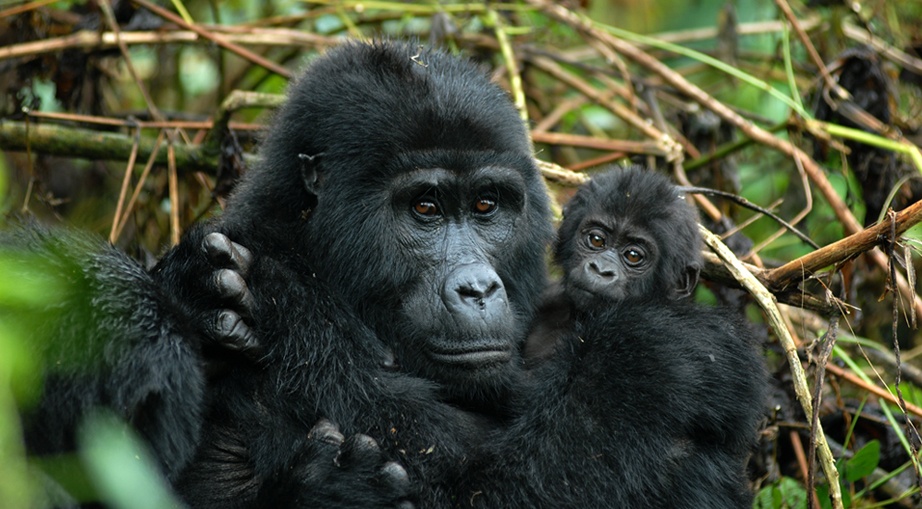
(310, 175)
(686, 283)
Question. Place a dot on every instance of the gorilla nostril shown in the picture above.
(469, 292)
(474, 289)
(478, 289)
(474, 296)
(598, 269)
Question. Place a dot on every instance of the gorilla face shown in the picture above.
(628, 234)
(612, 261)
(422, 205)
(460, 318)
(444, 262)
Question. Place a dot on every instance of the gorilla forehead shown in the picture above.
(360, 105)
(648, 199)
(640, 193)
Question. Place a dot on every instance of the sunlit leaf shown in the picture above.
(121, 467)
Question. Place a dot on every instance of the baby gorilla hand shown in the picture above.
(227, 327)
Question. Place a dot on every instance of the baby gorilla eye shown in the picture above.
(425, 208)
(633, 256)
(596, 240)
(485, 206)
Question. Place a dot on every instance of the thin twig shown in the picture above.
(752, 206)
(126, 180)
(140, 185)
(911, 432)
(828, 341)
(877, 391)
(217, 39)
(769, 305)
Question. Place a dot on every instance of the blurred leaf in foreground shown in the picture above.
(121, 468)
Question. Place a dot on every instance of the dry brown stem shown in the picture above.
(796, 270)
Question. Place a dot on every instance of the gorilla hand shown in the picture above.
(334, 471)
(226, 327)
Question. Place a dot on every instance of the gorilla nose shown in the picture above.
(474, 290)
(601, 270)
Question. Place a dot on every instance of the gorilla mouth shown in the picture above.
(581, 295)
(591, 297)
(471, 357)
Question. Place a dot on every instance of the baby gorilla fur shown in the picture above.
(639, 397)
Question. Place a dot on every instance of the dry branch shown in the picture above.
(576, 140)
(217, 39)
(104, 146)
(92, 40)
(715, 270)
(796, 270)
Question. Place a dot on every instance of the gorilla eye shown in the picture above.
(426, 208)
(633, 256)
(485, 206)
(596, 240)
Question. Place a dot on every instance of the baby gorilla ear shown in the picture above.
(687, 282)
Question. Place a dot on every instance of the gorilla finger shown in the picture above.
(243, 258)
(327, 432)
(230, 330)
(231, 286)
(395, 477)
(223, 252)
(218, 248)
(405, 504)
(360, 449)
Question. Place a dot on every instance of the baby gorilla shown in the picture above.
(638, 397)
(626, 235)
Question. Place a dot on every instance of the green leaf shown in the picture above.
(863, 463)
(123, 470)
(788, 493)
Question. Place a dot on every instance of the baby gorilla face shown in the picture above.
(613, 261)
(628, 234)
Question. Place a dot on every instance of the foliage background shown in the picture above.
(122, 118)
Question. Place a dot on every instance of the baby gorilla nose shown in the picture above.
(602, 270)
(599, 269)
(474, 291)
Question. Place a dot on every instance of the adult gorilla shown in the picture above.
(396, 214)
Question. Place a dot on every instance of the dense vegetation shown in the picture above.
(134, 121)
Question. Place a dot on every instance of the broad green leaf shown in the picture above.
(863, 462)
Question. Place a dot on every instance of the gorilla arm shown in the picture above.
(106, 337)
(251, 455)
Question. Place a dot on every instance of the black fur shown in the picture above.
(644, 405)
(106, 337)
(376, 250)
(645, 399)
